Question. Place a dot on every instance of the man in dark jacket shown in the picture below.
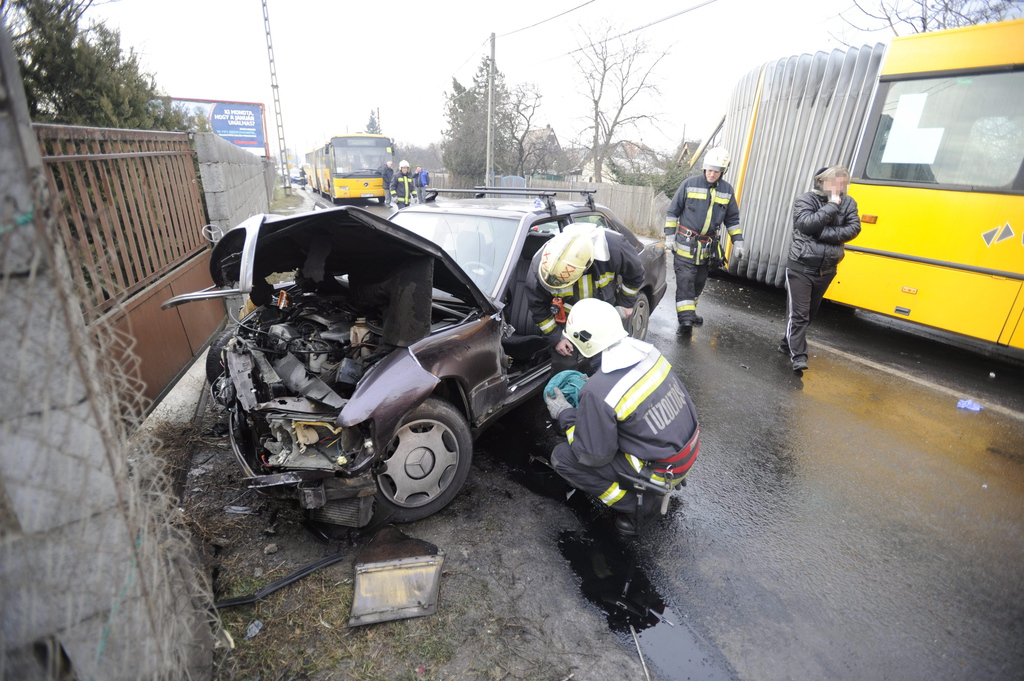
(633, 416)
(702, 204)
(824, 219)
(403, 186)
(581, 262)
(387, 174)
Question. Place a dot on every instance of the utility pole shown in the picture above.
(490, 116)
(287, 182)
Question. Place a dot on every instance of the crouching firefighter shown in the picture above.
(634, 419)
(581, 262)
(701, 205)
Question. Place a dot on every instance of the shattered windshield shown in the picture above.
(479, 244)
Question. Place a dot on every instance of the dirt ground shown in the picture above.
(509, 607)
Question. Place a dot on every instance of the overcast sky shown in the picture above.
(335, 65)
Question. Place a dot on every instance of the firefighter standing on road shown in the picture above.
(403, 187)
(701, 205)
(582, 262)
(634, 416)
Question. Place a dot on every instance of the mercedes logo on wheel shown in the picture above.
(419, 463)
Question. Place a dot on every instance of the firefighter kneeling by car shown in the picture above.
(634, 417)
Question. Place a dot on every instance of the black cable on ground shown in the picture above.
(275, 585)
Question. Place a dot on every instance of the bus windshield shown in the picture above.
(358, 154)
(963, 131)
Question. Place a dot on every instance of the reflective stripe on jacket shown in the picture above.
(402, 187)
(697, 210)
(642, 412)
(599, 281)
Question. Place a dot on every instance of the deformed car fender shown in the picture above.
(390, 389)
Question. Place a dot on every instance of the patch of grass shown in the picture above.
(305, 634)
(280, 202)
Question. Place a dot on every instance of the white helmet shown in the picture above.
(594, 326)
(403, 164)
(565, 258)
(717, 158)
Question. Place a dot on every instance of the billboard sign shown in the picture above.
(241, 123)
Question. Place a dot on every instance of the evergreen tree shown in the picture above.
(82, 77)
(464, 142)
(373, 127)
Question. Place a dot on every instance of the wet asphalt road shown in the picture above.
(849, 523)
(846, 523)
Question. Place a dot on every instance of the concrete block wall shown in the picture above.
(234, 180)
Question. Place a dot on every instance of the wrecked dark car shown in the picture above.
(372, 352)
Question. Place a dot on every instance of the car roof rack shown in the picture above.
(547, 193)
(588, 194)
(482, 192)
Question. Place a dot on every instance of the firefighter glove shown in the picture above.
(556, 403)
(738, 251)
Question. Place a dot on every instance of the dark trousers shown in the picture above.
(594, 481)
(575, 362)
(803, 298)
(690, 280)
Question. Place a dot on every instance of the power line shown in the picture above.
(546, 20)
(486, 40)
(640, 28)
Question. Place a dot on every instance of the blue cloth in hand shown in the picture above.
(570, 383)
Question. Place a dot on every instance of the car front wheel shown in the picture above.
(214, 367)
(641, 317)
(426, 463)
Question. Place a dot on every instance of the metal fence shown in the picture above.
(97, 577)
(130, 207)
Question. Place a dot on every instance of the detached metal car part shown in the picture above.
(358, 384)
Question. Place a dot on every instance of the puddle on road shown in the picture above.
(611, 579)
(611, 576)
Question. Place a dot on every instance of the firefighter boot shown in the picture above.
(625, 525)
(634, 524)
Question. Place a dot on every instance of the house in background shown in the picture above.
(543, 157)
(631, 157)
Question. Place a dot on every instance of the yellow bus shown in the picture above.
(939, 180)
(932, 127)
(350, 167)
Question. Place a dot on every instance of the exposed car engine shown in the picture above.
(291, 369)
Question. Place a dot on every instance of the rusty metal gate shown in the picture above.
(130, 216)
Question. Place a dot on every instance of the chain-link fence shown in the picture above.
(97, 580)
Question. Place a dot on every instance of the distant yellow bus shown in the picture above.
(938, 172)
(939, 179)
(350, 167)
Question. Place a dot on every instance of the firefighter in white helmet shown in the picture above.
(633, 416)
(702, 204)
(403, 186)
(583, 261)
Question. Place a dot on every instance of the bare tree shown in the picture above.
(920, 16)
(616, 74)
(524, 103)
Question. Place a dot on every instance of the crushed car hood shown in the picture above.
(327, 244)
